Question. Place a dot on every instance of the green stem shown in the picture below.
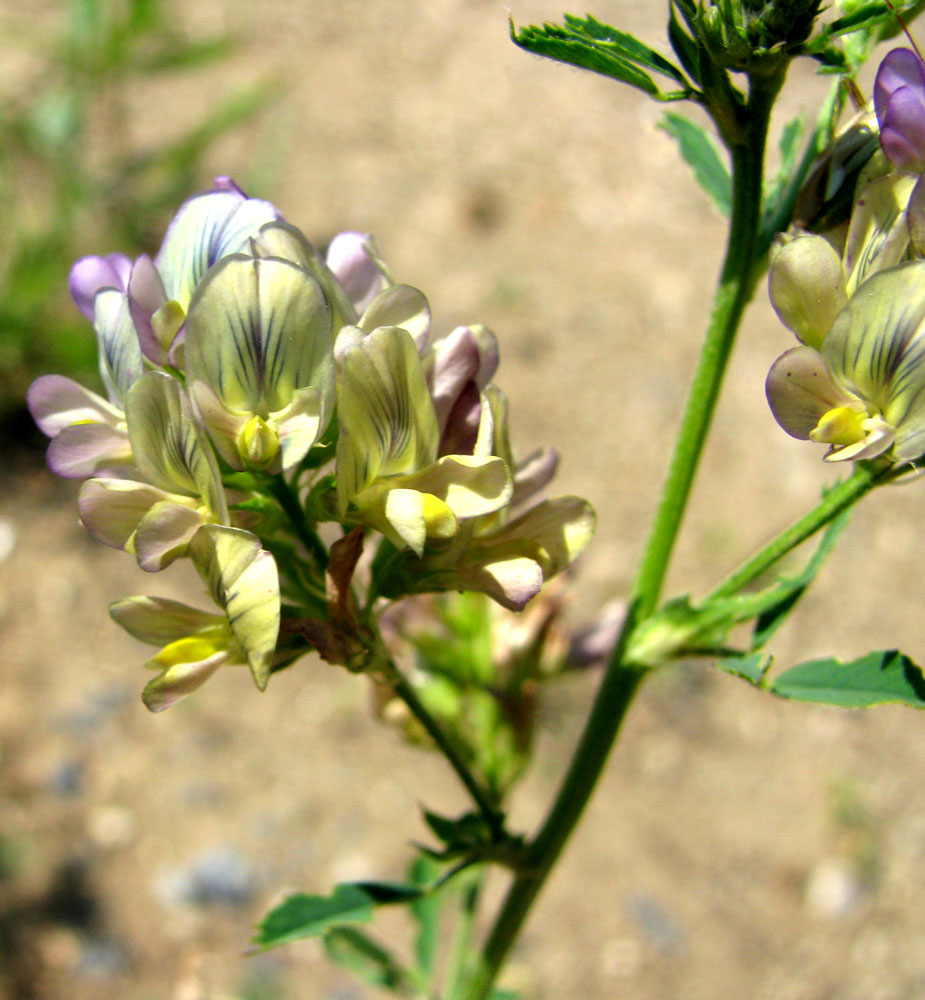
(405, 690)
(461, 943)
(620, 682)
(285, 496)
(736, 284)
(614, 697)
(863, 479)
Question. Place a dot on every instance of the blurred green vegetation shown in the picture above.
(73, 176)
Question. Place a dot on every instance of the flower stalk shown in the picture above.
(621, 680)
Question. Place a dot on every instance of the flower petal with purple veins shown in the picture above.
(111, 509)
(180, 678)
(87, 449)
(120, 360)
(206, 228)
(170, 445)
(56, 402)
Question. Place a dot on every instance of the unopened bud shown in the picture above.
(258, 442)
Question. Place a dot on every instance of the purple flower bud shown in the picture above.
(225, 183)
(90, 274)
(354, 267)
(462, 365)
(145, 296)
(899, 100)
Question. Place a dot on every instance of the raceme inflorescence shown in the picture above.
(286, 422)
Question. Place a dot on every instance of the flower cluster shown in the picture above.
(855, 297)
(257, 390)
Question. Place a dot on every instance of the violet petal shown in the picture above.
(90, 274)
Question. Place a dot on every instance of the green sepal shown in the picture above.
(256, 505)
(321, 502)
(471, 837)
(699, 152)
(587, 44)
(884, 676)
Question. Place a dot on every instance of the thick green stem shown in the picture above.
(735, 288)
(405, 690)
(863, 479)
(620, 682)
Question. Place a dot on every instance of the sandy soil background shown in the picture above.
(738, 846)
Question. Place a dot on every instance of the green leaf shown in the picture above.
(751, 668)
(907, 12)
(686, 48)
(385, 893)
(698, 150)
(302, 916)
(625, 44)
(885, 676)
(588, 44)
(353, 950)
(555, 44)
(789, 146)
(865, 25)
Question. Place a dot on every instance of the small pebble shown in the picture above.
(832, 889)
(67, 778)
(658, 925)
(111, 827)
(221, 876)
(8, 538)
(103, 959)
